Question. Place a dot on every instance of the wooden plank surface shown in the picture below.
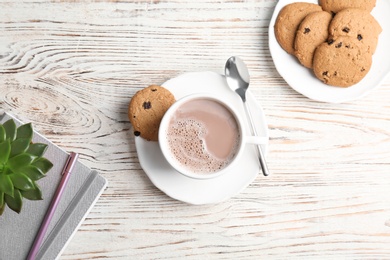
(71, 67)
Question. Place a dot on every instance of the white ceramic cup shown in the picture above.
(243, 139)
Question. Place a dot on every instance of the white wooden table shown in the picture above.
(71, 67)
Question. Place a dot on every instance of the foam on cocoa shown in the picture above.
(189, 133)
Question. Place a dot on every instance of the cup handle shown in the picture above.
(256, 139)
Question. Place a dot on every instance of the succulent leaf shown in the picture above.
(2, 134)
(34, 194)
(25, 131)
(33, 172)
(1, 199)
(10, 129)
(43, 164)
(37, 149)
(15, 203)
(19, 161)
(6, 184)
(5, 148)
(2, 209)
(2, 203)
(21, 181)
(19, 146)
(21, 164)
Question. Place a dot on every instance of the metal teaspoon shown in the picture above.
(237, 77)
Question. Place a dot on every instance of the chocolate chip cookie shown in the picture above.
(312, 31)
(288, 21)
(341, 62)
(358, 24)
(335, 6)
(147, 108)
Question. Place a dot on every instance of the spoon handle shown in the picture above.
(263, 163)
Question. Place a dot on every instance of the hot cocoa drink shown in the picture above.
(203, 136)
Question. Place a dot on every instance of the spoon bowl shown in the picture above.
(237, 76)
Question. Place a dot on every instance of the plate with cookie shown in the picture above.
(330, 50)
(149, 102)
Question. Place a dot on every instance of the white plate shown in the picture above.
(193, 191)
(303, 80)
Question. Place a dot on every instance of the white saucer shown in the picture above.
(193, 191)
(303, 80)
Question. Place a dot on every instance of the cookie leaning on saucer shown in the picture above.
(312, 31)
(288, 21)
(147, 108)
(341, 62)
(335, 6)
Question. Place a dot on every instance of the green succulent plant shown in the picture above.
(21, 165)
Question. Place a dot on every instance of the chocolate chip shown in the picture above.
(363, 69)
(325, 73)
(348, 46)
(330, 41)
(346, 29)
(147, 105)
(339, 45)
(335, 73)
(359, 37)
(137, 133)
(307, 30)
(154, 89)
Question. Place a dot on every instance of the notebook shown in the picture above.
(18, 231)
